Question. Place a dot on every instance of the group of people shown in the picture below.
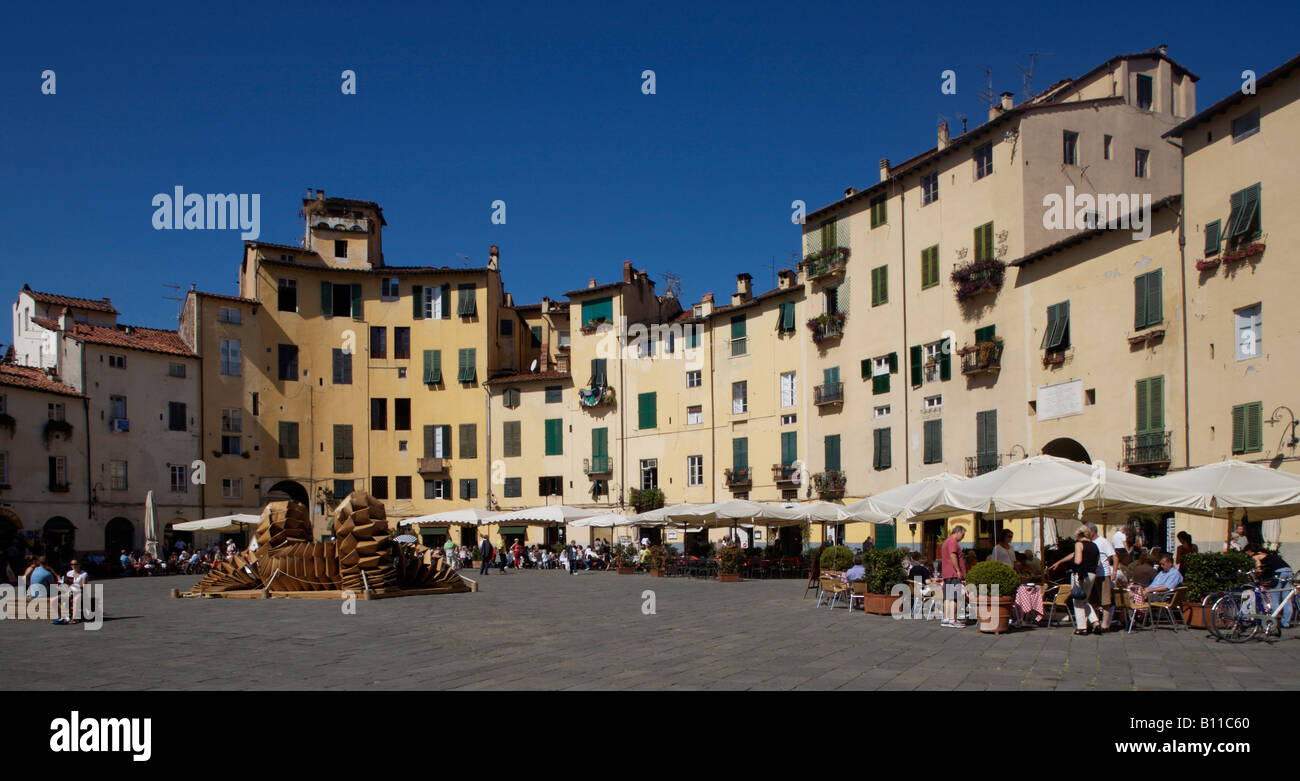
(571, 557)
(41, 576)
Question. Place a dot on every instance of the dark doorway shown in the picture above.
(119, 535)
(554, 537)
(433, 536)
(60, 538)
(789, 541)
(171, 537)
(8, 531)
(1067, 448)
(653, 534)
(288, 489)
(469, 536)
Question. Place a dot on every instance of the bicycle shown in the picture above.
(1239, 616)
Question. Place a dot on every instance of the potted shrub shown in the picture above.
(624, 559)
(655, 560)
(1209, 573)
(836, 557)
(884, 568)
(730, 559)
(993, 613)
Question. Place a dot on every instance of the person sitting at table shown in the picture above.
(857, 571)
(1168, 579)
(1002, 551)
(1143, 571)
(917, 570)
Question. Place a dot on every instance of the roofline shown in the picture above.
(1083, 236)
(525, 377)
(393, 270)
(1267, 80)
(596, 289)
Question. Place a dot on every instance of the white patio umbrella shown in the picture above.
(221, 523)
(888, 504)
(558, 514)
(1224, 487)
(604, 520)
(471, 516)
(151, 545)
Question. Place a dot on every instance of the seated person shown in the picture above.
(1167, 580)
(857, 571)
(918, 570)
(1143, 571)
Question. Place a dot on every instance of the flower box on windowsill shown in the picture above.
(1208, 264)
(1149, 335)
(1245, 252)
(978, 277)
(1053, 359)
(593, 326)
(827, 326)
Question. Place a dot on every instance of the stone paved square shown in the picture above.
(550, 630)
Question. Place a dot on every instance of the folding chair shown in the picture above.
(858, 591)
(1059, 598)
(1170, 607)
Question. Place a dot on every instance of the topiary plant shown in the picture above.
(656, 557)
(837, 557)
(993, 573)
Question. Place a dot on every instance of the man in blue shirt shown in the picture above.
(857, 571)
(1168, 579)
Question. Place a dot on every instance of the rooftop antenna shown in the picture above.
(1028, 74)
(673, 284)
(986, 94)
(464, 257)
(962, 117)
(177, 289)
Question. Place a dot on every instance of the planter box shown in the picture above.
(656, 573)
(627, 570)
(1194, 615)
(879, 604)
(728, 577)
(993, 615)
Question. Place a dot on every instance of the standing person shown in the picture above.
(1107, 563)
(568, 556)
(1185, 546)
(1238, 540)
(485, 551)
(953, 570)
(517, 552)
(1002, 551)
(1119, 540)
(1082, 564)
(1276, 575)
(449, 554)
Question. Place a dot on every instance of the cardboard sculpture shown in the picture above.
(361, 558)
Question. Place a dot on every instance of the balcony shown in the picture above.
(984, 462)
(785, 475)
(829, 393)
(977, 277)
(433, 466)
(827, 326)
(826, 264)
(829, 484)
(739, 479)
(600, 396)
(981, 357)
(598, 465)
(1144, 452)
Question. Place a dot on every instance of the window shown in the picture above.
(550, 486)
(510, 398)
(789, 420)
(287, 295)
(288, 439)
(117, 408)
(597, 310)
(929, 267)
(645, 409)
(441, 489)
(1070, 147)
(738, 342)
(402, 343)
(829, 231)
(230, 362)
(431, 303)
(402, 487)
(555, 394)
(468, 489)
(343, 488)
(984, 242)
(938, 361)
(229, 315)
(986, 441)
(1140, 157)
(881, 411)
(554, 436)
(1244, 219)
(4, 404)
(933, 441)
(433, 368)
(694, 415)
(785, 318)
(288, 363)
(378, 342)
(176, 370)
(469, 440)
(175, 479)
(740, 455)
(378, 414)
(389, 289)
(257, 404)
(1150, 417)
(232, 425)
(117, 361)
(932, 403)
(232, 488)
(342, 448)
(880, 285)
(116, 475)
(649, 473)
(401, 414)
(342, 367)
(55, 410)
(692, 335)
(694, 379)
(1245, 126)
(1105, 147)
(467, 370)
(881, 368)
(58, 468)
(879, 210)
(1145, 92)
(437, 441)
(983, 157)
(340, 300)
(1250, 336)
(379, 486)
(563, 340)
(1148, 299)
(465, 304)
(831, 448)
(694, 471)
(600, 451)
(507, 328)
(929, 188)
(831, 297)
(340, 248)
(1213, 238)
(535, 336)
(881, 449)
(1056, 337)
(739, 397)
(1247, 428)
(511, 443)
(176, 416)
(514, 487)
(789, 390)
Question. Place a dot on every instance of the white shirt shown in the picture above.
(1106, 551)
(78, 578)
(1118, 541)
(1004, 555)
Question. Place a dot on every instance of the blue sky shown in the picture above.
(538, 105)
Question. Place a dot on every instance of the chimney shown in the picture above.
(65, 319)
(1007, 98)
(546, 304)
(628, 272)
(706, 305)
(1163, 49)
(786, 278)
(744, 289)
(591, 282)
(884, 168)
(943, 136)
(510, 299)
(849, 192)
(320, 195)
(494, 258)
(309, 193)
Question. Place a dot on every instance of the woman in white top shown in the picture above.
(1002, 551)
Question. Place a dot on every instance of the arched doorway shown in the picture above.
(119, 535)
(287, 489)
(60, 538)
(9, 526)
(171, 537)
(1065, 447)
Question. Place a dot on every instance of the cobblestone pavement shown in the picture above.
(549, 630)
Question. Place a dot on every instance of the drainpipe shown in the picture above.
(1182, 288)
(907, 386)
(713, 420)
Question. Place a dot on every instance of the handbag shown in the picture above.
(1077, 591)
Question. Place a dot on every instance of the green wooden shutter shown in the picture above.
(599, 443)
(446, 442)
(832, 445)
(513, 438)
(893, 362)
(1212, 238)
(986, 432)
(886, 448)
(988, 240)
(1156, 402)
(646, 414)
(417, 302)
(740, 453)
(288, 439)
(738, 327)
(342, 448)
(599, 376)
(356, 302)
(828, 236)
(1236, 214)
(445, 295)
(867, 368)
(985, 334)
(1142, 393)
(554, 437)
(879, 384)
(1239, 428)
(914, 362)
(1155, 297)
(945, 360)
(428, 442)
(433, 366)
(1250, 211)
(789, 447)
(467, 365)
(469, 440)
(1254, 427)
(1140, 301)
(327, 299)
(875, 448)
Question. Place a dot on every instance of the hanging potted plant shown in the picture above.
(730, 559)
(993, 586)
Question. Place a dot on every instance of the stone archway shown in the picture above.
(60, 538)
(1064, 447)
(119, 535)
(10, 523)
(288, 489)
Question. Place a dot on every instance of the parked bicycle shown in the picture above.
(1241, 615)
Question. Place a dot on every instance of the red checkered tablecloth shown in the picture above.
(1029, 598)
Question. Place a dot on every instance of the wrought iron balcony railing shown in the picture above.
(785, 473)
(984, 462)
(736, 478)
(1147, 450)
(981, 357)
(598, 465)
(829, 393)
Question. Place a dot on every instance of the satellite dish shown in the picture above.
(532, 367)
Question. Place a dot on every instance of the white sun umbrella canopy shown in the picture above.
(665, 516)
(1225, 486)
(828, 512)
(1043, 485)
(151, 545)
(887, 505)
(604, 520)
(555, 513)
(222, 523)
(471, 516)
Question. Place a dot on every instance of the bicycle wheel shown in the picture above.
(1246, 622)
(1221, 616)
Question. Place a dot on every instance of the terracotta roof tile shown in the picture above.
(132, 337)
(102, 305)
(529, 377)
(227, 298)
(32, 378)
